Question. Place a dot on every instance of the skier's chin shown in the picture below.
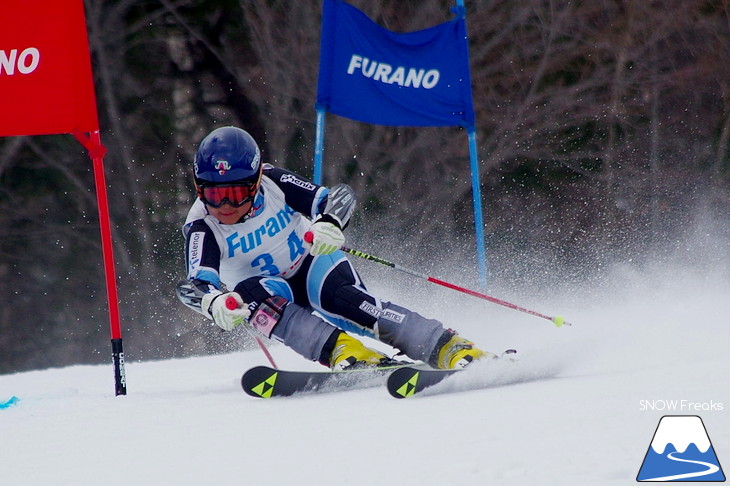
(229, 218)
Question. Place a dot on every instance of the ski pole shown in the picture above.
(232, 304)
(263, 348)
(557, 320)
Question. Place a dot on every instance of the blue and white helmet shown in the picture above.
(227, 155)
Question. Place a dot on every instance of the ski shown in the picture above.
(267, 382)
(407, 381)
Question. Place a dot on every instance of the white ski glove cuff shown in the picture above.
(227, 310)
(325, 238)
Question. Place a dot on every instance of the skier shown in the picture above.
(262, 249)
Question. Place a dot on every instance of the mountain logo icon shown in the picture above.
(681, 451)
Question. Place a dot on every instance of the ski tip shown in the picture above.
(402, 382)
(259, 381)
(408, 381)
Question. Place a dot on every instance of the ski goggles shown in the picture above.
(234, 194)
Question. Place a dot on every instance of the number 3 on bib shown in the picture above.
(265, 262)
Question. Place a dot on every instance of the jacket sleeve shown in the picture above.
(302, 195)
(202, 254)
(202, 259)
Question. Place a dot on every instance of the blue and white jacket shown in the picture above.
(267, 243)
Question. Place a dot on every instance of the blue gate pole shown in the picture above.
(476, 194)
(319, 146)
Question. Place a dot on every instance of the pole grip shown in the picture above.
(231, 303)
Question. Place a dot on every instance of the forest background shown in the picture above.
(603, 131)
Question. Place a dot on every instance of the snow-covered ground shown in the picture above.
(651, 337)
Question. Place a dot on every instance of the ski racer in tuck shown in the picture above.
(263, 250)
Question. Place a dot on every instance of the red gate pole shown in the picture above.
(96, 153)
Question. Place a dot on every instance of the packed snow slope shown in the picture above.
(654, 342)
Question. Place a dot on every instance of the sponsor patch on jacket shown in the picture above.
(292, 179)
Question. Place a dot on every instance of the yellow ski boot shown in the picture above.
(349, 352)
(458, 353)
